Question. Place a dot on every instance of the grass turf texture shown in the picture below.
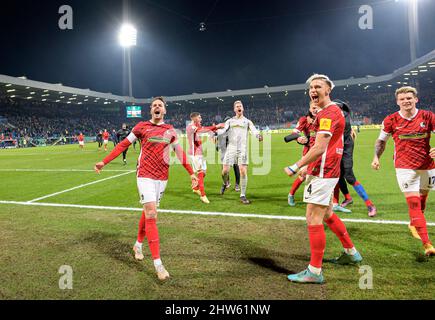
(208, 257)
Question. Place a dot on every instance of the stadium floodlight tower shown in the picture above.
(128, 39)
(413, 28)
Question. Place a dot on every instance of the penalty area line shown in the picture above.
(205, 213)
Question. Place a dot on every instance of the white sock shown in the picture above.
(351, 251)
(138, 244)
(315, 270)
(243, 185)
(157, 263)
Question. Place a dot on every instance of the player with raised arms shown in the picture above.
(415, 168)
(238, 128)
(221, 147)
(199, 165)
(157, 138)
(323, 171)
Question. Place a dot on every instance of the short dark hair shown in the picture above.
(194, 115)
(158, 98)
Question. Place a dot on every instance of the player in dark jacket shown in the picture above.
(121, 135)
(100, 139)
(347, 175)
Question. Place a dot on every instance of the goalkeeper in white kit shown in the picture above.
(238, 129)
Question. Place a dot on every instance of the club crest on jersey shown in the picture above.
(422, 124)
(325, 124)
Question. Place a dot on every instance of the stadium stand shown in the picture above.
(32, 111)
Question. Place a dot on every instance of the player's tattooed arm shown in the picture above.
(379, 150)
(380, 147)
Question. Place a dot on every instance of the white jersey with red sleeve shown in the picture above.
(193, 132)
(411, 139)
(330, 120)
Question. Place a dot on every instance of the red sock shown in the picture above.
(423, 199)
(153, 237)
(141, 232)
(417, 217)
(317, 244)
(295, 186)
(347, 196)
(337, 226)
(336, 197)
(201, 176)
(369, 203)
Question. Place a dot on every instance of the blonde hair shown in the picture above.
(321, 77)
(238, 101)
(407, 89)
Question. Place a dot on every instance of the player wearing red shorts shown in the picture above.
(305, 128)
(105, 139)
(199, 165)
(157, 138)
(323, 172)
(415, 168)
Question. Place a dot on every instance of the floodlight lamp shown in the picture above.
(127, 36)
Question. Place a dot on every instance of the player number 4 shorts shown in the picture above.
(151, 190)
(415, 180)
(319, 190)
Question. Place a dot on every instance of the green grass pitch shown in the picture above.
(209, 257)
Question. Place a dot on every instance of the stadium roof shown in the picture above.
(422, 69)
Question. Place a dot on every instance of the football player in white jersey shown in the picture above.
(238, 129)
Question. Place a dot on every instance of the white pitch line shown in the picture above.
(205, 213)
(78, 187)
(60, 170)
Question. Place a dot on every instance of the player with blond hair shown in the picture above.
(237, 129)
(323, 172)
(415, 168)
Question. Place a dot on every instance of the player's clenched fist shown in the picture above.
(375, 164)
(98, 167)
(302, 140)
(432, 153)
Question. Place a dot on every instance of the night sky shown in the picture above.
(247, 44)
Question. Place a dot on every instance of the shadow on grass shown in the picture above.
(111, 246)
(259, 256)
(270, 264)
